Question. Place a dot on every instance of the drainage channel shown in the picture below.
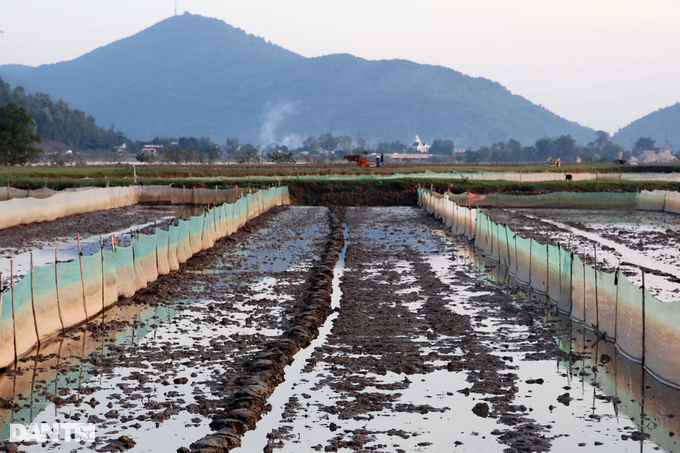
(256, 439)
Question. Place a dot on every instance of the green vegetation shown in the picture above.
(57, 122)
(222, 176)
(660, 126)
(563, 147)
(17, 136)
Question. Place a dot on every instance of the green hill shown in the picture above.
(188, 72)
(663, 126)
(57, 122)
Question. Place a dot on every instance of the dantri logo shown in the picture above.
(57, 432)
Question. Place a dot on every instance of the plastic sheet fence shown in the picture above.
(50, 299)
(658, 200)
(644, 328)
(45, 205)
(20, 211)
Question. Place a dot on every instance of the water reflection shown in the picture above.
(597, 369)
(62, 367)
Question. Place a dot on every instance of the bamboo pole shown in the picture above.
(14, 320)
(101, 252)
(82, 276)
(597, 305)
(56, 278)
(35, 318)
(644, 320)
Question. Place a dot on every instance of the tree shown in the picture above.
(233, 143)
(644, 142)
(311, 144)
(17, 136)
(281, 157)
(328, 142)
(601, 140)
(247, 154)
(441, 146)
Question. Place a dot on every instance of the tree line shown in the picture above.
(56, 121)
(564, 147)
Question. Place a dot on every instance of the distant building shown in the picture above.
(459, 150)
(419, 146)
(152, 149)
(654, 156)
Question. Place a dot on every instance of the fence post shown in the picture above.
(35, 319)
(571, 285)
(101, 252)
(531, 245)
(507, 245)
(56, 278)
(14, 321)
(644, 321)
(547, 270)
(597, 305)
(82, 277)
(616, 305)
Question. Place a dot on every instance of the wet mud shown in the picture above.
(399, 324)
(23, 238)
(259, 291)
(370, 198)
(431, 348)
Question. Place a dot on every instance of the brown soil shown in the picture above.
(374, 322)
(22, 238)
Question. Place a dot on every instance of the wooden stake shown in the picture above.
(35, 319)
(597, 305)
(82, 276)
(644, 320)
(14, 321)
(56, 278)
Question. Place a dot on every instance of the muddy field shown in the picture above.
(338, 329)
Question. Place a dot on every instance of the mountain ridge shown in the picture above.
(187, 72)
(662, 125)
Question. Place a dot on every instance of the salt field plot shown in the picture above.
(428, 346)
(156, 365)
(633, 240)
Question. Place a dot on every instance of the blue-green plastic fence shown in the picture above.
(50, 299)
(644, 328)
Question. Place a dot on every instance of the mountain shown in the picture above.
(189, 72)
(662, 125)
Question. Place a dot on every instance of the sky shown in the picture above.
(601, 63)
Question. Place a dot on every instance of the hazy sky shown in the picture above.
(602, 63)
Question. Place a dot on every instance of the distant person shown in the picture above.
(382, 158)
(377, 161)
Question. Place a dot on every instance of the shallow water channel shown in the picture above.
(424, 330)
